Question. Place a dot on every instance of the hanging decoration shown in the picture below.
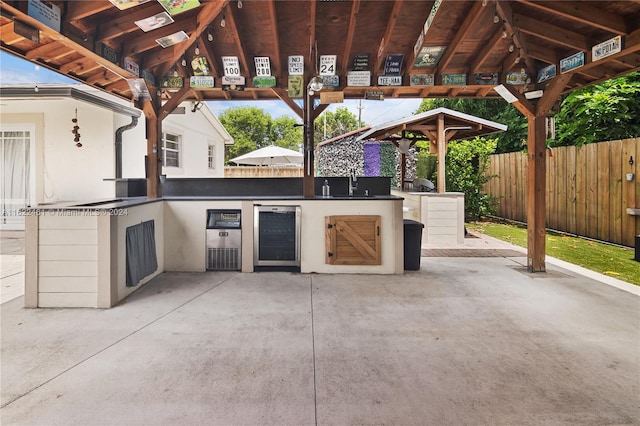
(76, 137)
(153, 22)
(126, 4)
(172, 39)
(200, 66)
(178, 6)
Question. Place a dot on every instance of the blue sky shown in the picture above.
(14, 70)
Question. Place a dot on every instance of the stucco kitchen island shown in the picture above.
(76, 253)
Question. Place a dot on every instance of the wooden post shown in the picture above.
(154, 149)
(442, 152)
(537, 146)
(403, 171)
(536, 188)
(308, 183)
(537, 167)
(155, 111)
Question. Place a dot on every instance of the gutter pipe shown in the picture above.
(119, 132)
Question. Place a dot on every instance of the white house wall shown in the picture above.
(72, 173)
(134, 146)
(65, 172)
(197, 130)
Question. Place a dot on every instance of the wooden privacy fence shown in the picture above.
(262, 171)
(588, 192)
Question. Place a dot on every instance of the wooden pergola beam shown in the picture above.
(146, 42)
(552, 33)
(582, 12)
(275, 60)
(208, 13)
(355, 6)
(284, 97)
(485, 52)
(476, 10)
(122, 25)
(391, 24)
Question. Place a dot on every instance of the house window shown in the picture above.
(170, 150)
(211, 157)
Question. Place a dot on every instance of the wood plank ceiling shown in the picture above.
(474, 37)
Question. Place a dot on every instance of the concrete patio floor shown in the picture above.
(11, 265)
(463, 341)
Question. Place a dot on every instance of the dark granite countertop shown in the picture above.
(122, 203)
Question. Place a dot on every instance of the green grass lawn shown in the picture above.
(606, 259)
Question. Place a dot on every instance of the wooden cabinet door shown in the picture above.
(352, 240)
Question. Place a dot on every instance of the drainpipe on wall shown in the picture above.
(119, 132)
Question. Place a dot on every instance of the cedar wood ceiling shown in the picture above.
(542, 32)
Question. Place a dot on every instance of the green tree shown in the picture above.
(250, 128)
(602, 112)
(606, 111)
(285, 134)
(336, 123)
(467, 162)
(512, 140)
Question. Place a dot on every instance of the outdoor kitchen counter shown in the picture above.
(119, 203)
(76, 252)
(441, 213)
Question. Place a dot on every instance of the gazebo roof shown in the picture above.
(426, 123)
(344, 136)
(431, 48)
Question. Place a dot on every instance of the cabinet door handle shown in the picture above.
(378, 231)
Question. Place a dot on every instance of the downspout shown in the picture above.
(119, 132)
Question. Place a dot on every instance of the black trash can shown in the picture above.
(412, 243)
(637, 257)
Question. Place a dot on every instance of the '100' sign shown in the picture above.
(231, 65)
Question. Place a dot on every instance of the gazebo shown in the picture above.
(439, 126)
(304, 52)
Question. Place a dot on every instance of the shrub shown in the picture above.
(467, 162)
(388, 162)
(427, 166)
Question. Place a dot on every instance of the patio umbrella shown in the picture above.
(269, 156)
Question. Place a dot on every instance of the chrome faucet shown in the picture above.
(353, 182)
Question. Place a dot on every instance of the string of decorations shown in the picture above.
(76, 137)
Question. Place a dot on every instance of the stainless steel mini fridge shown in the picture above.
(224, 240)
(276, 236)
